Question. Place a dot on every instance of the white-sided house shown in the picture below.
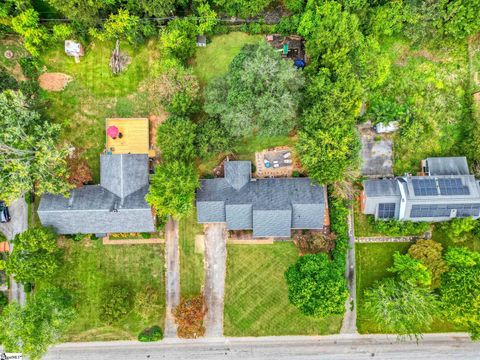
(447, 190)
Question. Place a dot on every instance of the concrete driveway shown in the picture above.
(215, 269)
(172, 277)
(19, 223)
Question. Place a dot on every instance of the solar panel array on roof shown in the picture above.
(386, 210)
(424, 187)
(432, 211)
(452, 187)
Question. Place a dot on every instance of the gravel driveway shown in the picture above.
(215, 268)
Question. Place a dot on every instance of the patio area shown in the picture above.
(276, 162)
(128, 136)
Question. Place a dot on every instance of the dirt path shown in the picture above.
(215, 268)
(172, 277)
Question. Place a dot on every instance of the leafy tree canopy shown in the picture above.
(460, 289)
(29, 153)
(401, 307)
(40, 323)
(409, 270)
(260, 93)
(119, 26)
(316, 287)
(178, 39)
(429, 253)
(35, 255)
(242, 8)
(172, 188)
(176, 139)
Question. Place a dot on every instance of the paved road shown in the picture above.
(349, 325)
(19, 223)
(215, 268)
(335, 347)
(172, 277)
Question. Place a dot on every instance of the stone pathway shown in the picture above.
(386, 239)
(215, 269)
(172, 276)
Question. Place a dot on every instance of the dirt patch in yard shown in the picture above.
(54, 81)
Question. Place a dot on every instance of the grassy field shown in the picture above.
(213, 60)
(90, 267)
(361, 225)
(372, 262)
(95, 94)
(256, 297)
(191, 263)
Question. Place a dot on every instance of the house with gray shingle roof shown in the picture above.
(117, 205)
(269, 207)
(444, 191)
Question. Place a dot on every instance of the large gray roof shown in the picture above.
(383, 187)
(448, 166)
(100, 208)
(123, 174)
(271, 207)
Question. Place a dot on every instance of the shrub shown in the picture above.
(78, 237)
(153, 333)
(28, 287)
(6, 80)
(296, 173)
(314, 242)
(3, 301)
(116, 303)
(456, 228)
(316, 286)
(399, 228)
(145, 235)
(30, 67)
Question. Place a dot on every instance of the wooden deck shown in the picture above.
(135, 137)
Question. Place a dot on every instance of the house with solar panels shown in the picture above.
(270, 207)
(444, 190)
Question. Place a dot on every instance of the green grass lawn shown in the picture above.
(90, 267)
(256, 296)
(192, 270)
(213, 60)
(96, 94)
(361, 225)
(372, 262)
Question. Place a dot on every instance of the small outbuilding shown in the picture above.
(201, 40)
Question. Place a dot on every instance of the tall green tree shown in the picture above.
(178, 39)
(260, 93)
(31, 329)
(401, 307)
(30, 157)
(172, 188)
(27, 24)
(119, 26)
(460, 289)
(409, 270)
(429, 253)
(175, 138)
(35, 255)
(316, 287)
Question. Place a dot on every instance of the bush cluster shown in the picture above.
(153, 333)
(399, 228)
